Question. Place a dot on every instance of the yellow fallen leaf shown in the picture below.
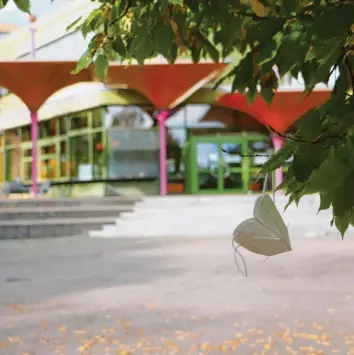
(151, 306)
(258, 8)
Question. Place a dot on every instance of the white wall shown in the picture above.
(69, 47)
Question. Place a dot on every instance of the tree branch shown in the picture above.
(317, 140)
(350, 69)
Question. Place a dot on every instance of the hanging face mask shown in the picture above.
(264, 234)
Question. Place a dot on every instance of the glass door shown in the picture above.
(216, 165)
(226, 163)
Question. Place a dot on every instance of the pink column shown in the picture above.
(161, 119)
(278, 143)
(34, 136)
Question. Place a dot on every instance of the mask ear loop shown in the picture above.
(237, 253)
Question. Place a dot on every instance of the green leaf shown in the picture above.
(290, 7)
(142, 47)
(329, 175)
(172, 54)
(340, 19)
(84, 61)
(164, 5)
(343, 199)
(278, 159)
(163, 36)
(101, 67)
(326, 201)
(193, 4)
(73, 24)
(309, 125)
(23, 5)
(119, 47)
(251, 94)
(210, 49)
(196, 53)
(342, 223)
(307, 159)
(267, 53)
(3, 3)
(263, 31)
(267, 94)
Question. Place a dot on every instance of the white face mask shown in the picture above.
(264, 234)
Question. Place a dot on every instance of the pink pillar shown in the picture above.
(34, 136)
(161, 119)
(278, 143)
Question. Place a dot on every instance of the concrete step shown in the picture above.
(46, 228)
(66, 201)
(85, 211)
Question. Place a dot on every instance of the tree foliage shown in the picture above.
(312, 39)
(23, 5)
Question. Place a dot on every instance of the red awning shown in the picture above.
(164, 85)
(34, 82)
(286, 108)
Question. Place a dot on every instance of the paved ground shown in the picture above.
(71, 296)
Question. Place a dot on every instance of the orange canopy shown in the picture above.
(164, 85)
(285, 109)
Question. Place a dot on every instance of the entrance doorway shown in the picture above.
(226, 164)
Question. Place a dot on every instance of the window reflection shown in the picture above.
(133, 154)
(64, 164)
(49, 168)
(259, 151)
(62, 125)
(47, 128)
(2, 167)
(27, 170)
(80, 167)
(96, 118)
(79, 122)
(176, 139)
(26, 133)
(98, 155)
(232, 154)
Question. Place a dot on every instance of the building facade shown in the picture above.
(98, 140)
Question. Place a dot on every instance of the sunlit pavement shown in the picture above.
(149, 296)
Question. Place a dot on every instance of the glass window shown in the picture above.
(64, 168)
(175, 142)
(47, 128)
(80, 167)
(96, 118)
(27, 152)
(26, 133)
(62, 125)
(98, 155)
(27, 170)
(232, 154)
(49, 169)
(79, 122)
(13, 137)
(260, 151)
(133, 154)
(48, 149)
(13, 163)
(2, 167)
